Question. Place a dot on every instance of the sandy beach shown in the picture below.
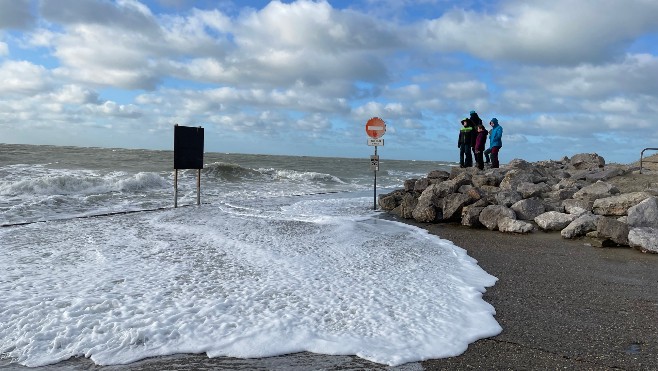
(562, 303)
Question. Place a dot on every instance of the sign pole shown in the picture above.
(175, 188)
(198, 187)
(375, 187)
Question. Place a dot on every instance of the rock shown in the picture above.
(421, 184)
(554, 221)
(644, 214)
(410, 184)
(528, 190)
(407, 206)
(587, 161)
(613, 229)
(563, 194)
(567, 183)
(520, 164)
(507, 197)
(453, 204)
(510, 225)
(391, 200)
(424, 210)
(515, 177)
(471, 215)
(486, 179)
(438, 175)
(491, 214)
(595, 191)
(604, 174)
(618, 205)
(644, 238)
(573, 206)
(528, 209)
(452, 185)
(580, 226)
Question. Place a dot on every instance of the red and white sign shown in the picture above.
(375, 127)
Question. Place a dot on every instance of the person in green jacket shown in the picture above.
(464, 143)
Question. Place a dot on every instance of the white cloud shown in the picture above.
(23, 78)
(544, 32)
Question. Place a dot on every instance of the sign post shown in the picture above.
(188, 154)
(375, 128)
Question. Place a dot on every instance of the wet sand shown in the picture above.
(562, 305)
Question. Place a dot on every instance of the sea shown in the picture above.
(266, 262)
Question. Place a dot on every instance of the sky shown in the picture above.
(303, 77)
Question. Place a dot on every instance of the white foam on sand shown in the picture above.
(321, 276)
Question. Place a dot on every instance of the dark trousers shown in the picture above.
(486, 155)
(494, 157)
(479, 158)
(465, 158)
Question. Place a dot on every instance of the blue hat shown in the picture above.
(472, 112)
(494, 120)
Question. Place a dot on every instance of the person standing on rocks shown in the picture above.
(475, 121)
(464, 143)
(495, 141)
(480, 142)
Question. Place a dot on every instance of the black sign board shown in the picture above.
(188, 147)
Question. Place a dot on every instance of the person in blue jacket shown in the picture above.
(495, 141)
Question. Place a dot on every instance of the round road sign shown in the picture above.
(375, 127)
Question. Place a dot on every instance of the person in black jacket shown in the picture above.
(475, 122)
(465, 143)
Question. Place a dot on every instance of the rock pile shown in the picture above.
(576, 196)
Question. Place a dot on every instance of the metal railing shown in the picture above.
(642, 157)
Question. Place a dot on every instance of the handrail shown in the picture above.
(642, 155)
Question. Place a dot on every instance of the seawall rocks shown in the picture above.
(577, 196)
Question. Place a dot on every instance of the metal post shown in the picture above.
(176, 188)
(198, 187)
(375, 187)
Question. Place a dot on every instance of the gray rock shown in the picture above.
(596, 191)
(407, 206)
(573, 206)
(491, 214)
(485, 179)
(644, 214)
(644, 239)
(509, 225)
(391, 200)
(453, 204)
(528, 190)
(567, 183)
(410, 184)
(438, 175)
(421, 184)
(507, 197)
(586, 161)
(604, 174)
(425, 208)
(613, 229)
(579, 227)
(618, 205)
(515, 177)
(471, 216)
(528, 209)
(554, 221)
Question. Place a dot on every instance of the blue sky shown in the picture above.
(303, 77)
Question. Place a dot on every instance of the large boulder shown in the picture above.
(595, 191)
(407, 206)
(391, 200)
(515, 177)
(613, 229)
(507, 197)
(510, 225)
(471, 215)
(528, 190)
(421, 184)
(424, 210)
(577, 207)
(644, 214)
(618, 205)
(554, 221)
(529, 208)
(587, 161)
(581, 226)
(491, 214)
(644, 238)
(453, 204)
